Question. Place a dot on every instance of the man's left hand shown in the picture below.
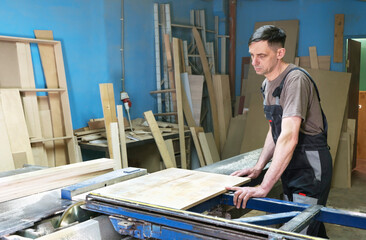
(242, 194)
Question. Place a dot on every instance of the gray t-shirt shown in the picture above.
(298, 98)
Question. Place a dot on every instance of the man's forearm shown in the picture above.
(267, 152)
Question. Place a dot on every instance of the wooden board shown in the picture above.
(314, 64)
(197, 145)
(169, 58)
(173, 188)
(209, 83)
(9, 65)
(323, 61)
(109, 110)
(196, 87)
(187, 101)
(223, 99)
(122, 136)
(26, 184)
(48, 60)
(16, 126)
(209, 149)
(115, 144)
(169, 163)
(46, 127)
(342, 164)
(338, 37)
(333, 89)
(361, 130)
(234, 137)
(6, 158)
(178, 87)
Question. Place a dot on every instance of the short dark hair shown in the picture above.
(269, 33)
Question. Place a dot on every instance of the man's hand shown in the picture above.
(249, 172)
(242, 194)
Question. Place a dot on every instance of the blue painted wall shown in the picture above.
(90, 33)
(316, 24)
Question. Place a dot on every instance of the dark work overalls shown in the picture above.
(307, 178)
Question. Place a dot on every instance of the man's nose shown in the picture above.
(254, 61)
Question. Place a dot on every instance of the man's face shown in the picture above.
(264, 57)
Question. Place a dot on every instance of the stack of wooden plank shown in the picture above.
(34, 129)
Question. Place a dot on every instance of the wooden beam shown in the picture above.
(122, 136)
(159, 140)
(109, 110)
(338, 38)
(210, 88)
(26, 184)
(178, 86)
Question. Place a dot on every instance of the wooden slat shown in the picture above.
(109, 110)
(159, 140)
(178, 86)
(46, 126)
(169, 59)
(16, 126)
(209, 151)
(6, 158)
(116, 145)
(313, 58)
(338, 38)
(173, 188)
(25, 184)
(47, 54)
(223, 99)
(197, 145)
(196, 88)
(209, 83)
(122, 136)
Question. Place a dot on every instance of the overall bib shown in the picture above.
(308, 176)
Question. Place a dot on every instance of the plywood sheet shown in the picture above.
(46, 127)
(9, 65)
(234, 137)
(6, 158)
(209, 148)
(324, 62)
(173, 188)
(342, 165)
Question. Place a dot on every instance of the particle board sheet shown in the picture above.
(173, 188)
(291, 28)
(324, 62)
(333, 89)
(342, 165)
(234, 137)
(196, 88)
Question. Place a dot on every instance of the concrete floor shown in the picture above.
(352, 199)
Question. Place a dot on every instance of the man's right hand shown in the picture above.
(249, 172)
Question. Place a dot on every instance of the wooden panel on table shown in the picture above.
(361, 130)
(323, 61)
(209, 83)
(48, 60)
(291, 27)
(342, 164)
(30, 104)
(196, 88)
(115, 144)
(197, 145)
(9, 65)
(25, 184)
(338, 37)
(109, 110)
(46, 126)
(149, 116)
(6, 158)
(210, 151)
(122, 136)
(223, 100)
(172, 188)
(314, 64)
(178, 87)
(234, 137)
(16, 125)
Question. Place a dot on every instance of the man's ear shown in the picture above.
(281, 53)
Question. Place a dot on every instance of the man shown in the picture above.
(297, 137)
